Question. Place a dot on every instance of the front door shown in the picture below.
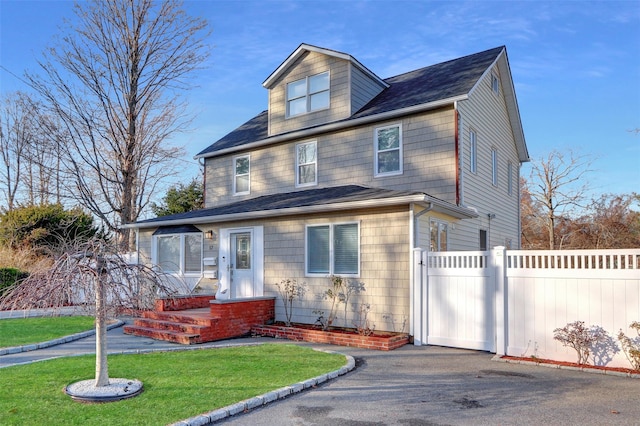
(241, 263)
(241, 269)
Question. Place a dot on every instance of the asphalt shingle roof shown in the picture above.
(289, 200)
(425, 85)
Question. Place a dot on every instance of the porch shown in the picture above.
(201, 318)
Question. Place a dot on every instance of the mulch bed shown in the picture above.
(627, 371)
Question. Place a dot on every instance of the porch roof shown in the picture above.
(307, 201)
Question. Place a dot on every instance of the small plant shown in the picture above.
(363, 325)
(289, 291)
(580, 338)
(339, 292)
(631, 347)
(534, 355)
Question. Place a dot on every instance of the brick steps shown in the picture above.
(166, 335)
(219, 321)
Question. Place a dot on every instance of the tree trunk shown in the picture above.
(102, 369)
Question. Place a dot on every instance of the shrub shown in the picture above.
(631, 347)
(10, 276)
(45, 228)
(580, 338)
(339, 292)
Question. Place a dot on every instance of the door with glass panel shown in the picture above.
(241, 266)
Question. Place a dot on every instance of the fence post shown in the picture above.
(419, 297)
(499, 273)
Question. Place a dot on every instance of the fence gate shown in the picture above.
(455, 296)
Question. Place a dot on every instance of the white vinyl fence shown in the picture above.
(510, 301)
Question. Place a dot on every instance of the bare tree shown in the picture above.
(16, 132)
(113, 82)
(557, 185)
(93, 275)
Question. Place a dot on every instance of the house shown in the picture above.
(345, 174)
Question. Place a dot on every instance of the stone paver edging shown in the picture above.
(260, 400)
(567, 367)
(54, 342)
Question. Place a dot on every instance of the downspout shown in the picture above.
(416, 307)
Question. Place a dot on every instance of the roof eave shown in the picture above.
(436, 204)
(339, 125)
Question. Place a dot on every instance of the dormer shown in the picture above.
(316, 86)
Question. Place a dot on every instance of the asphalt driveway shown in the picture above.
(420, 386)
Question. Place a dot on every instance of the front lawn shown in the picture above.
(177, 385)
(25, 331)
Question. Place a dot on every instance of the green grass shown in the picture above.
(177, 385)
(25, 331)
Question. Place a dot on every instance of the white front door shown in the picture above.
(241, 269)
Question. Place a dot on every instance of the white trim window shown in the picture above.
(332, 249)
(495, 83)
(473, 151)
(308, 94)
(306, 164)
(387, 143)
(439, 235)
(494, 166)
(179, 253)
(242, 175)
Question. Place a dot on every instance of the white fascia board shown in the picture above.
(339, 125)
(438, 206)
(512, 103)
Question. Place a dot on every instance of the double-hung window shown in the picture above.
(388, 150)
(242, 175)
(306, 164)
(308, 94)
(473, 151)
(179, 253)
(333, 249)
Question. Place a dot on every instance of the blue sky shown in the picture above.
(575, 64)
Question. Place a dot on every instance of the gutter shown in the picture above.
(435, 204)
(335, 126)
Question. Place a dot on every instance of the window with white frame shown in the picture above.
(333, 249)
(439, 235)
(495, 83)
(179, 253)
(242, 175)
(473, 151)
(494, 166)
(308, 94)
(388, 150)
(306, 164)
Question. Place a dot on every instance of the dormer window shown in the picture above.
(308, 94)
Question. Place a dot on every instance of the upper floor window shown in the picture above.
(388, 150)
(473, 151)
(308, 94)
(306, 164)
(494, 167)
(333, 249)
(179, 253)
(495, 83)
(510, 178)
(242, 175)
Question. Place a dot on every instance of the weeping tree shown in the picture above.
(94, 276)
(113, 82)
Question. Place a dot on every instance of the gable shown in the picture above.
(416, 91)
